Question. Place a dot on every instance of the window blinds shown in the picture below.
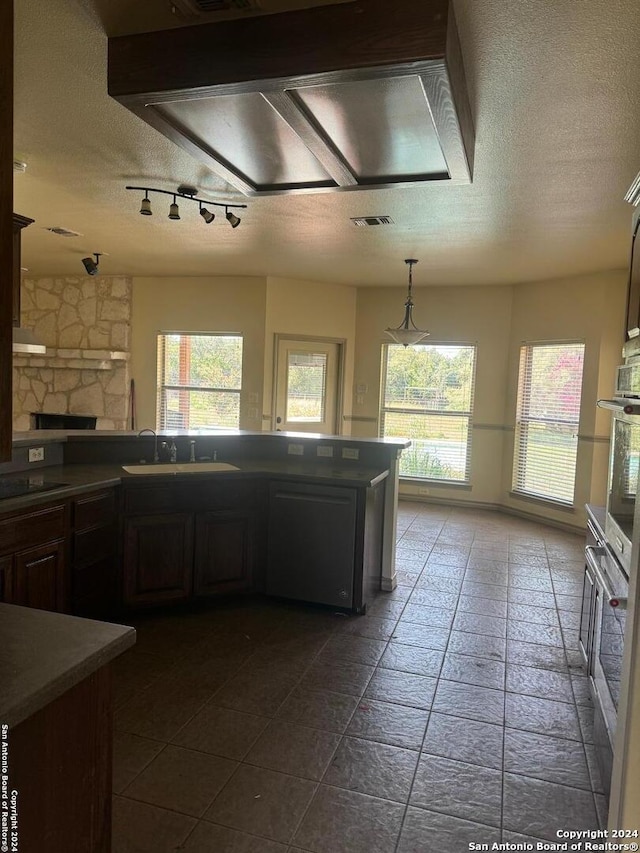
(547, 420)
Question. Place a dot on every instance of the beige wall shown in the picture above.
(585, 308)
(498, 320)
(220, 304)
(310, 309)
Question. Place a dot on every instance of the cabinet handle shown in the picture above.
(295, 496)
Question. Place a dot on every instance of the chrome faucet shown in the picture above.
(156, 455)
(192, 451)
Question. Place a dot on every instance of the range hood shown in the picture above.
(337, 98)
(24, 341)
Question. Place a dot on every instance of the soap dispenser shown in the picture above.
(173, 451)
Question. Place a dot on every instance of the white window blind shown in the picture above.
(199, 381)
(427, 396)
(547, 420)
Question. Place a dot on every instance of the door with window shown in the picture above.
(307, 385)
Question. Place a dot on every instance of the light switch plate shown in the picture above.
(324, 450)
(295, 449)
(350, 453)
(36, 454)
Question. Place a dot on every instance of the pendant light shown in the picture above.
(407, 333)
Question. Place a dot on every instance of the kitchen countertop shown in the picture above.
(43, 654)
(81, 477)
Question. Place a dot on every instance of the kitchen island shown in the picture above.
(299, 516)
(56, 729)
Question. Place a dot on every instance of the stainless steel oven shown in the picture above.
(602, 627)
(624, 468)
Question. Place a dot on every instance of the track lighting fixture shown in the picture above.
(232, 219)
(188, 193)
(174, 210)
(407, 333)
(90, 265)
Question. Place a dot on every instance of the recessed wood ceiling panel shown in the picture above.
(245, 132)
(382, 128)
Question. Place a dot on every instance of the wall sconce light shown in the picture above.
(407, 333)
(188, 193)
(90, 265)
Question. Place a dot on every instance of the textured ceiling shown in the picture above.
(555, 92)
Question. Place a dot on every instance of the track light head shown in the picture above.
(207, 215)
(232, 219)
(174, 210)
(145, 206)
(90, 265)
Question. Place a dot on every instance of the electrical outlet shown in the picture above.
(423, 491)
(350, 453)
(295, 449)
(36, 454)
(324, 450)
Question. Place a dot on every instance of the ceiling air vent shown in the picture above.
(194, 8)
(365, 221)
(63, 232)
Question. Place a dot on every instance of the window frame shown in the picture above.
(516, 490)
(465, 482)
(161, 386)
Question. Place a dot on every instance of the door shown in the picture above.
(307, 385)
(223, 553)
(39, 575)
(158, 558)
(6, 577)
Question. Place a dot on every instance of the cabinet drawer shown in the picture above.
(94, 509)
(91, 545)
(31, 528)
(165, 498)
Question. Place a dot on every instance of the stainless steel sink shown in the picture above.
(180, 468)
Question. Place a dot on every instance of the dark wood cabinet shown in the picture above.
(633, 292)
(185, 540)
(39, 577)
(158, 559)
(33, 561)
(224, 551)
(94, 547)
(6, 579)
(19, 222)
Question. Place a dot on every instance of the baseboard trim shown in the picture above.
(495, 507)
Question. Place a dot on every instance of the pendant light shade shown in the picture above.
(407, 333)
(174, 210)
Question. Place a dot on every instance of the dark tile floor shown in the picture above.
(455, 711)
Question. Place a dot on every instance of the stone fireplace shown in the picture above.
(85, 323)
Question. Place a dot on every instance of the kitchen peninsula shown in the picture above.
(299, 516)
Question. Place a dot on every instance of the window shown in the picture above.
(199, 381)
(427, 396)
(547, 418)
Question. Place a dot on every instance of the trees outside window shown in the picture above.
(427, 396)
(199, 381)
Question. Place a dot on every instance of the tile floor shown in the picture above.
(455, 711)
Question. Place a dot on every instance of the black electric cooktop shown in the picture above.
(15, 487)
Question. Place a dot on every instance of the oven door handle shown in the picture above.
(591, 552)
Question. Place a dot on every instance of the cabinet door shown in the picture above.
(224, 551)
(158, 558)
(6, 577)
(312, 535)
(39, 576)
